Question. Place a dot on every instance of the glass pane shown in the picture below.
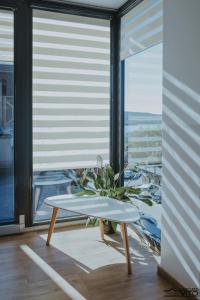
(6, 116)
(143, 106)
(71, 74)
(143, 121)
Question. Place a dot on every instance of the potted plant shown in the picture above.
(102, 181)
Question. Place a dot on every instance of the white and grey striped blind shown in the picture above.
(71, 93)
(141, 27)
(144, 143)
(6, 36)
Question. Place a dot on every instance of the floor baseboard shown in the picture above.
(175, 283)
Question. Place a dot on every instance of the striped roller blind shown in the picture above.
(71, 93)
(141, 28)
(6, 36)
(143, 137)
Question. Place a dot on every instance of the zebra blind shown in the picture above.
(141, 27)
(143, 137)
(71, 75)
(6, 36)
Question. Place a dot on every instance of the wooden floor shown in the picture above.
(77, 265)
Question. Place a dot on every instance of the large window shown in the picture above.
(7, 206)
(71, 96)
(141, 54)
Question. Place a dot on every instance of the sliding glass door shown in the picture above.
(7, 200)
(71, 102)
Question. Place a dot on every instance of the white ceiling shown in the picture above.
(114, 4)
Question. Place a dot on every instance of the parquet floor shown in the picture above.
(78, 266)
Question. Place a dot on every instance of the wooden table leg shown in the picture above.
(101, 228)
(126, 246)
(52, 224)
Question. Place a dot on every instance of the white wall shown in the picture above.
(180, 255)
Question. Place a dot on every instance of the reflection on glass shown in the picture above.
(6, 117)
(143, 118)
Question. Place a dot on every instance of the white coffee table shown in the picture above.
(103, 208)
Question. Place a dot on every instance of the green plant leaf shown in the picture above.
(116, 177)
(147, 201)
(99, 182)
(114, 226)
(103, 193)
(120, 190)
(86, 192)
(110, 171)
(124, 198)
(132, 190)
(99, 161)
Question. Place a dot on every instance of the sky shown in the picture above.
(143, 81)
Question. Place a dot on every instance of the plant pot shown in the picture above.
(108, 228)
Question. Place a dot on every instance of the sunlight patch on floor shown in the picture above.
(68, 289)
(86, 247)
